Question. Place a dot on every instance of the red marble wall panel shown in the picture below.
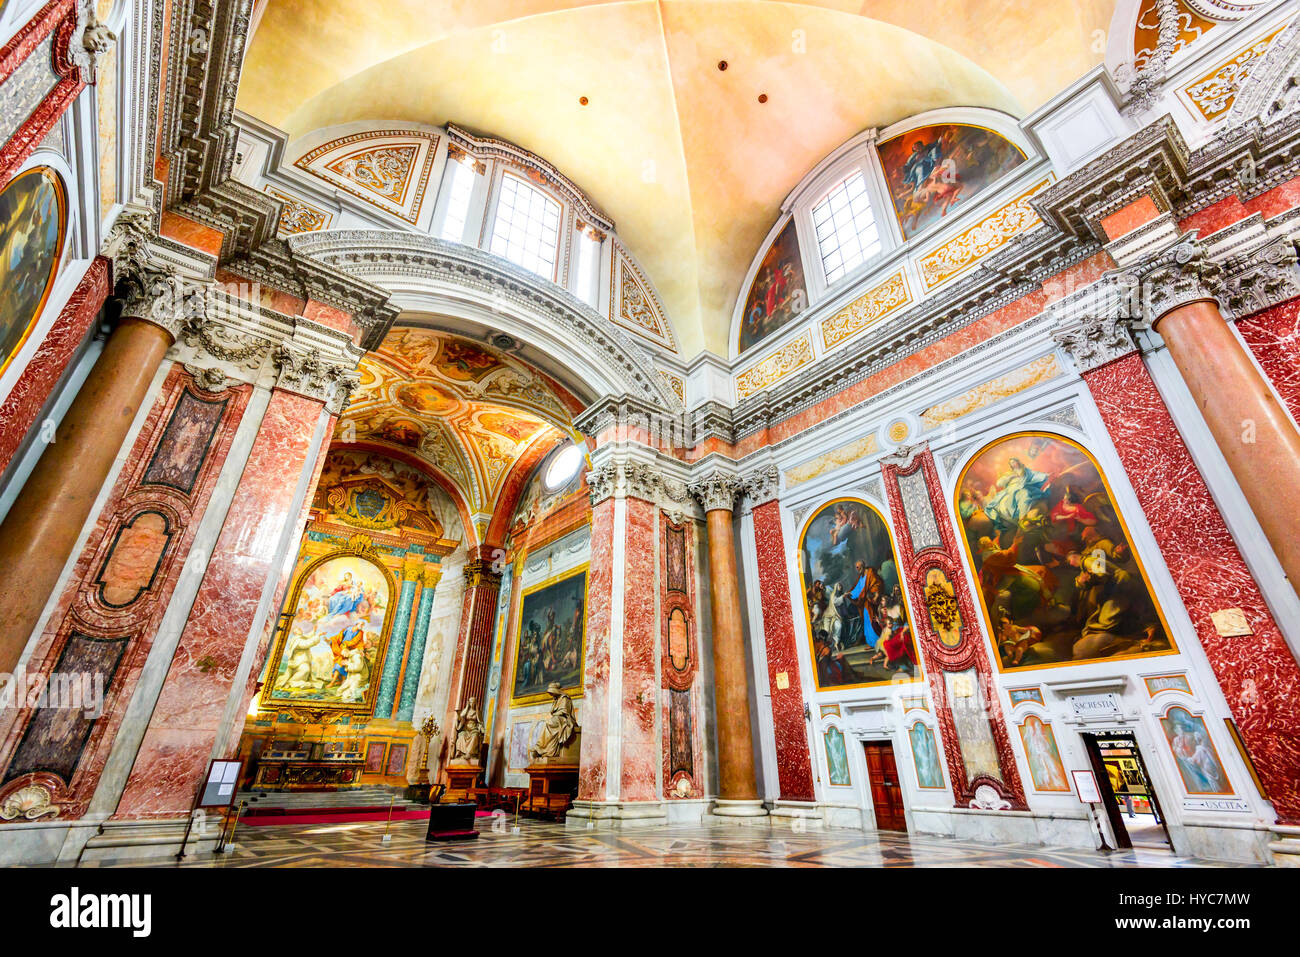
(1258, 674)
(81, 609)
(683, 738)
(33, 389)
(1274, 337)
(281, 589)
(60, 18)
(640, 748)
(944, 558)
(595, 680)
(793, 758)
(182, 730)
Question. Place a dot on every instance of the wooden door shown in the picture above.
(886, 791)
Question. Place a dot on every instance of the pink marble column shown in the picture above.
(179, 741)
(1258, 674)
(594, 759)
(620, 616)
(793, 759)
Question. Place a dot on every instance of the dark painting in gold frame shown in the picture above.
(33, 220)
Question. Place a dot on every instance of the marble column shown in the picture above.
(1256, 436)
(391, 674)
(789, 727)
(46, 519)
(430, 576)
(737, 785)
(228, 612)
(474, 645)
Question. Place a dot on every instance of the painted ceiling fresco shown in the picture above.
(683, 155)
(467, 411)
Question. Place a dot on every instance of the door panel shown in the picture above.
(886, 789)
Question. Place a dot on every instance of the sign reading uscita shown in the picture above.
(75, 910)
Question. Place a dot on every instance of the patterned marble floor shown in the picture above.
(551, 845)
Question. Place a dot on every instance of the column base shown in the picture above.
(798, 815)
(1285, 847)
(608, 815)
(751, 812)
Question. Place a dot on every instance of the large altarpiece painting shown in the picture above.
(329, 654)
(1059, 580)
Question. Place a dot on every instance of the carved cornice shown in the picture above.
(1175, 278)
(379, 253)
(1260, 279)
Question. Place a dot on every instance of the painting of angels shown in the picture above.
(935, 168)
(778, 293)
(857, 618)
(1058, 578)
(331, 649)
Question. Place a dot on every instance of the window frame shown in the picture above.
(488, 231)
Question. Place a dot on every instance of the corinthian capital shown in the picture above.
(716, 490)
(1176, 278)
(162, 297)
(1094, 324)
(304, 371)
(762, 485)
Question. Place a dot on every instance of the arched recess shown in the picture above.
(492, 299)
(513, 487)
(1038, 536)
(406, 457)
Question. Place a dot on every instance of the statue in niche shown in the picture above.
(559, 729)
(468, 745)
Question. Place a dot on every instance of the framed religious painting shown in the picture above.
(778, 293)
(329, 652)
(1045, 765)
(925, 756)
(396, 760)
(551, 638)
(934, 170)
(837, 758)
(856, 616)
(1194, 753)
(1059, 580)
(33, 221)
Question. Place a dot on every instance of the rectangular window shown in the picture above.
(846, 227)
(458, 196)
(527, 227)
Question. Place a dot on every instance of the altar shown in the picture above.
(308, 769)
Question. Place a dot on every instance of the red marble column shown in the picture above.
(927, 547)
(179, 741)
(121, 586)
(594, 759)
(474, 645)
(1254, 433)
(639, 747)
(793, 758)
(1258, 674)
(33, 389)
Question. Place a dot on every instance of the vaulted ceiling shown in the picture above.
(475, 416)
(690, 164)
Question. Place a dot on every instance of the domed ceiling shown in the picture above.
(473, 415)
(684, 156)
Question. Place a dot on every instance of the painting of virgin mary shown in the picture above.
(32, 219)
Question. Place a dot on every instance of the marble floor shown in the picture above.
(550, 845)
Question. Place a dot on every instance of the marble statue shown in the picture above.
(469, 734)
(559, 727)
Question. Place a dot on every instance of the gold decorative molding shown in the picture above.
(432, 575)
(793, 355)
(1026, 377)
(831, 460)
(676, 383)
(388, 169)
(1213, 94)
(299, 216)
(991, 233)
(867, 310)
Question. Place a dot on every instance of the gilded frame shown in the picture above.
(574, 692)
(1123, 524)
(802, 598)
(268, 703)
(61, 192)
